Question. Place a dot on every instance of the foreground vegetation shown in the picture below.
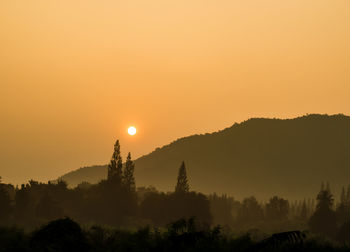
(183, 235)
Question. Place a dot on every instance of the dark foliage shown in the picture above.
(5, 205)
(128, 177)
(277, 209)
(323, 221)
(290, 238)
(115, 165)
(344, 233)
(59, 235)
(13, 239)
(48, 208)
(182, 182)
(224, 209)
(343, 209)
(183, 235)
(250, 212)
(163, 208)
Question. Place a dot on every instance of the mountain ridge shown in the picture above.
(259, 156)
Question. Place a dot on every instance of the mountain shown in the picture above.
(261, 157)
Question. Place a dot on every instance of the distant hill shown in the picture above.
(261, 157)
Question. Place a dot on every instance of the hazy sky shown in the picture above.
(74, 74)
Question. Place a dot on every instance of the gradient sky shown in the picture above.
(74, 74)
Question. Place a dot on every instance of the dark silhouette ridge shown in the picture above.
(256, 157)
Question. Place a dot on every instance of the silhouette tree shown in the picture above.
(48, 208)
(343, 209)
(277, 209)
(344, 232)
(129, 179)
(59, 235)
(250, 211)
(304, 211)
(221, 208)
(23, 204)
(182, 182)
(5, 205)
(190, 204)
(323, 221)
(163, 208)
(115, 166)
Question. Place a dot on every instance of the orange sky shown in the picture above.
(75, 74)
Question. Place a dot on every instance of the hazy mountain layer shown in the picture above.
(261, 157)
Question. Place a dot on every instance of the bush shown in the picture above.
(59, 235)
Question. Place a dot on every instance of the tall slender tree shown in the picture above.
(115, 171)
(129, 180)
(323, 221)
(182, 182)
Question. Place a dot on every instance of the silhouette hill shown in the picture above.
(260, 157)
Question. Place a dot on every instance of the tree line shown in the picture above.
(322, 217)
(116, 201)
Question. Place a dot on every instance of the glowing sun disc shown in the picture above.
(131, 130)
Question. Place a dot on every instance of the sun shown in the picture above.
(132, 130)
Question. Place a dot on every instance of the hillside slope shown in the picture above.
(261, 157)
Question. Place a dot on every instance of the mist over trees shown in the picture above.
(118, 202)
(113, 201)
